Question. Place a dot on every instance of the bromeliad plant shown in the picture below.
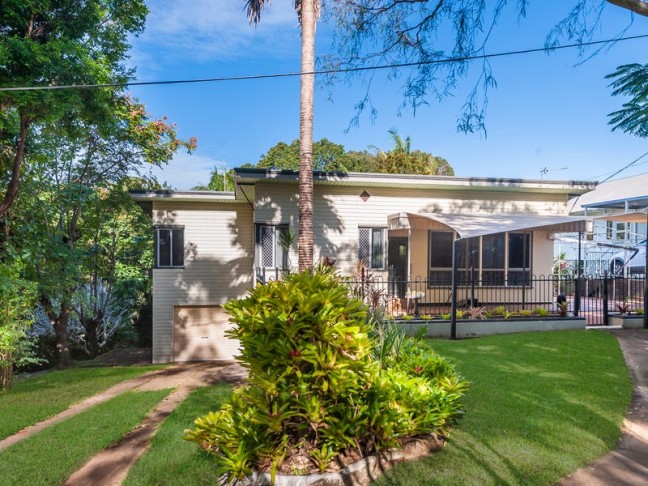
(322, 384)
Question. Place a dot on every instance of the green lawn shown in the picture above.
(171, 460)
(52, 455)
(34, 399)
(540, 406)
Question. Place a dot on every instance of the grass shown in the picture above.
(52, 455)
(171, 460)
(38, 398)
(540, 406)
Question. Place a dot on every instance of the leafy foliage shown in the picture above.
(329, 156)
(319, 384)
(442, 43)
(631, 80)
(59, 42)
(87, 242)
(17, 300)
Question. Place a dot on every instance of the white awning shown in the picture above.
(632, 217)
(472, 225)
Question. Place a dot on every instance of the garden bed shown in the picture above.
(439, 328)
(632, 321)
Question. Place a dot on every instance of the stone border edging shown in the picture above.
(359, 473)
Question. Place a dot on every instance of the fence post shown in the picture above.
(579, 272)
(577, 299)
(606, 296)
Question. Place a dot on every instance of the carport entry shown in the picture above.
(198, 334)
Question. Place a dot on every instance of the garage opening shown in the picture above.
(199, 334)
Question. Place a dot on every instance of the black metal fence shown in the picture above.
(593, 298)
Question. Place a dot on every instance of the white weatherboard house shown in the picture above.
(210, 247)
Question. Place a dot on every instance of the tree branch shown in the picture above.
(12, 188)
(637, 6)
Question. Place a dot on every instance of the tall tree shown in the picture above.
(77, 164)
(57, 42)
(219, 180)
(401, 159)
(307, 11)
(327, 156)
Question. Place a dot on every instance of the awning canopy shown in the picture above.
(632, 217)
(472, 225)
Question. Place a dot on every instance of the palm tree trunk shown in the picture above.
(306, 136)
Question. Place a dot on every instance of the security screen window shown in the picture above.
(169, 248)
(371, 247)
(271, 246)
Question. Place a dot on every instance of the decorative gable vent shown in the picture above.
(365, 195)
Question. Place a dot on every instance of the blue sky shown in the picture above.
(547, 111)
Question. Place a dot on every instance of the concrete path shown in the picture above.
(110, 467)
(628, 463)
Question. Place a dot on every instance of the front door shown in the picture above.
(398, 262)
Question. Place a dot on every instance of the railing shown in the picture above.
(590, 297)
(264, 274)
(585, 296)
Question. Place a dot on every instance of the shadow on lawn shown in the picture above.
(538, 407)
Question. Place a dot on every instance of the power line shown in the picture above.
(624, 168)
(627, 166)
(324, 71)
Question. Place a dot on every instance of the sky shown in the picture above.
(547, 117)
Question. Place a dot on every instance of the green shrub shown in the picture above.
(526, 313)
(541, 312)
(322, 382)
(500, 309)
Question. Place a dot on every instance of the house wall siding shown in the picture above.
(339, 212)
(219, 258)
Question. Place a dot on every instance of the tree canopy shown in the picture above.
(428, 34)
(631, 80)
(58, 42)
(330, 156)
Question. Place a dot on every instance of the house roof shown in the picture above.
(473, 225)
(185, 196)
(614, 195)
(640, 216)
(250, 176)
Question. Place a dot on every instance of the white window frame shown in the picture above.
(278, 253)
